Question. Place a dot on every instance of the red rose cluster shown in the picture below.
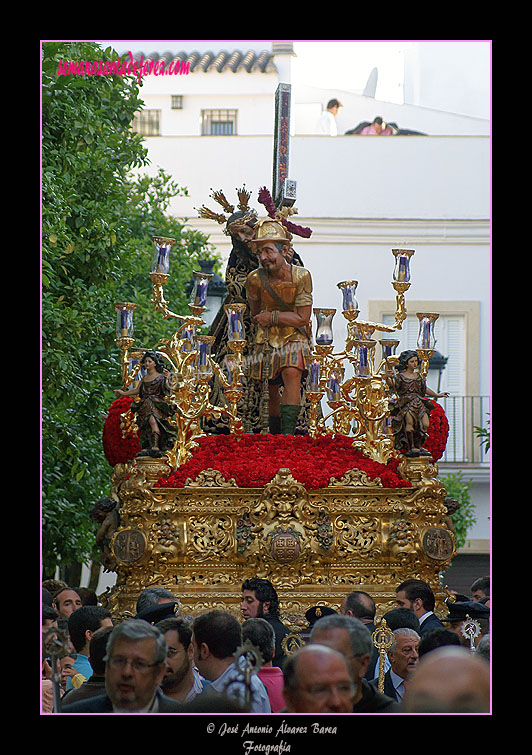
(253, 460)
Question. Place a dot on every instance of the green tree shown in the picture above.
(464, 518)
(99, 212)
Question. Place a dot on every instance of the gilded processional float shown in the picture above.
(353, 503)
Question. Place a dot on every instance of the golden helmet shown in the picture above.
(267, 229)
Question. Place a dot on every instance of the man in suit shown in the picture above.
(418, 596)
(404, 657)
(350, 636)
(260, 601)
(135, 666)
(361, 605)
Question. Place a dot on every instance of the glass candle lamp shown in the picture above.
(388, 347)
(198, 296)
(124, 319)
(324, 332)
(203, 366)
(314, 372)
(333, 386)
(401, 273)
(235, 321)
(426, 338)
(364, 357)
(348, 289)
(188, 337)
(161, 255)
(230, 366)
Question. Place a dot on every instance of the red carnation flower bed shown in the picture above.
(117, 449)
(253, 460)
(438, 432)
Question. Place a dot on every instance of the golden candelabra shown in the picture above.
(190, 363)
(360, 402)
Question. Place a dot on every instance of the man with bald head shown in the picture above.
(449, 680)
(317, 679)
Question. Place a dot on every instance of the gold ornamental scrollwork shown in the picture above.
(283, 497)
(210, 478)
(205, 539)
(357, 537)
(355, 478)
(210, 535)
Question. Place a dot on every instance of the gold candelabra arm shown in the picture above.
(161, 305)
(124, 344)
(425, 356)
(314, 425)
(400, 307)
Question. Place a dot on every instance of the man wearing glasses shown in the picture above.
(135, 667)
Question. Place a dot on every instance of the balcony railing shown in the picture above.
(465, 413)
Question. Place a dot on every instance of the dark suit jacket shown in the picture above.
(389, 689)
(102, 704)
(373, 701)
(374, 657)
(431, 622)
(281, 630)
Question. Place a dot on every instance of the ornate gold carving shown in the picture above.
(208, 536)
(355, 477)
(357, 537)
(402, 538)
(315, 546)
(210, 478)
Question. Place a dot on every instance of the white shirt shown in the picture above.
(398, 684)
(260, 702)
(327, 124)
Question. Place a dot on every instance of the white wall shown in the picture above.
(421, 178)
(450, 75)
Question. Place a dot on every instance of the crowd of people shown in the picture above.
(165, 661)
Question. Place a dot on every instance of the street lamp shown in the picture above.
(438, 362)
